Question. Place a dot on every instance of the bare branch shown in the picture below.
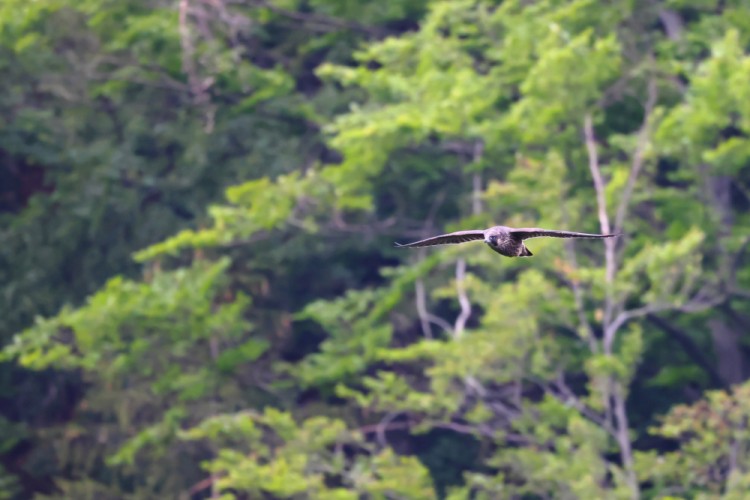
(601, 202)
(425, 317)
(198, 85)
(560, 390)
(422, 309)
(588, 130)
(623, 440)
(463, 299)
(672, 22)
(704, 299)
(611, 329)
(381, 428)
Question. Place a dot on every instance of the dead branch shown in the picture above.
(463, 299)
(601, 202)
(623, 439)
(672, 22)
(422, 309)
(559, 390)
(702, 300)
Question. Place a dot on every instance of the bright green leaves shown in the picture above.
(698, 129)
(563, 455)
(357, 327)
(266, 84)
(479, 111)
(20, 21)
(257, 205)
(671, 271)
(166, 343)
(175, 309)
(286, 459)
(557, 58)
(428, 85)
(567, 79)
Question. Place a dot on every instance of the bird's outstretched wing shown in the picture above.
(525, 233)
(447, 239)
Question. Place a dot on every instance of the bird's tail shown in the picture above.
(525, 252)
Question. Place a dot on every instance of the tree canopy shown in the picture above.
(201, 296)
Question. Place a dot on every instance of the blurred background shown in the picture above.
(199, 293)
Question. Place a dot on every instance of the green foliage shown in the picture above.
(304, 458)
(713, 443)
(164, 347)
(197, 269)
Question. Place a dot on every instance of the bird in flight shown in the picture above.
(507, 241)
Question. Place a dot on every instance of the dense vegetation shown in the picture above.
(200, 294)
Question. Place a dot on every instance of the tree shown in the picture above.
(283, 347)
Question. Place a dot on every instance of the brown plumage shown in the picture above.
(507, 241)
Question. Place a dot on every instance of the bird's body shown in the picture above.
(507, 241)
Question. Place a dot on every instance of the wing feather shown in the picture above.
(447, 239)
(525, 233)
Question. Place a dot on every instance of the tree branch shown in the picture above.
(623, 439)
(422, 308)
(463, 299)
(704, 299)
(560, 390)
(425, 317)
(601, 202)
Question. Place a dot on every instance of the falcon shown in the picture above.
(507, 241)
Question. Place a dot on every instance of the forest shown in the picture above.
(200, 296)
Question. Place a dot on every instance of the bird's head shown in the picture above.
(491, 240)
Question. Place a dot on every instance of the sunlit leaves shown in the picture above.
(472, 116)
(286, 458)
(256, 206)
(356, 327)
